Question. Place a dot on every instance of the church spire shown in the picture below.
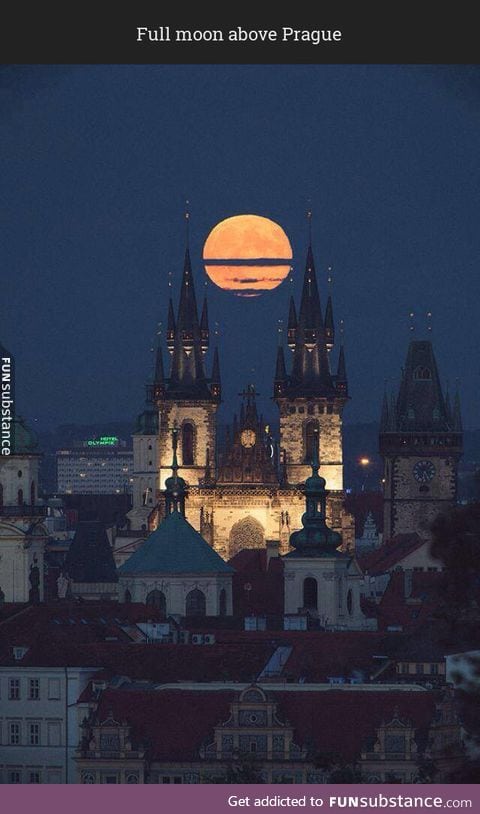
(159, 375)
(457, 413)
(280, 382)
(329, 325)
(384, 418)
(204, 332)
(341, 378)
(292, 325)
(187, 339)
(171, 327)
(215, 382)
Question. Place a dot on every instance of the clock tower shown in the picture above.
(421, 445)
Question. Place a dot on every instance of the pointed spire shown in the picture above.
(329, 324)
(393, 413)
(341, 377)
(292, 325)
(171, 327)
(457, 413)
(159, 375)
(448, 406)
(310, 316)
(280, 374)
(384, 418)
(215, 381)
(204, 332)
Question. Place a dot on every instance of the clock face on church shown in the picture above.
(423, 471)
(247, 438)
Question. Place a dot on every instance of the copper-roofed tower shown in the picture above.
(310, 398)
(421, 444)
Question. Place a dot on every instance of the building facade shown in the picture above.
(249, 493)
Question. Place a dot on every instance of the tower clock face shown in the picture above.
(247, 438)
(423, 471)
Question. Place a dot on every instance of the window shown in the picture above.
(128, 596)
(157, 599)
(350, 601)
(223, 602)
(32, 493)
(14, 689)
(54, 689)
(419, 669)
(34, 777)
(34, 734)
(422, 373)
(1, 497)
(20, 497)
(253, 746)
(14, 777)
(53, 733)
(110, 778)
(14, 733)
(34, 689)
(434, 669)
(132, 778)
(88, 778)
(310, 593)
(311, 439)
(404, 667)
(195, 603)
(187, 444)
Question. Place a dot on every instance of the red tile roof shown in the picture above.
(388, 555)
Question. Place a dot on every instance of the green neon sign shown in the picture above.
(103, 441)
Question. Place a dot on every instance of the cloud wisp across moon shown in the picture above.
(247, 255)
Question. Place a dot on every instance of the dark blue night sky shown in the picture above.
(96, 163)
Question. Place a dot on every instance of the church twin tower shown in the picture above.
(222, 504)
(244, 491)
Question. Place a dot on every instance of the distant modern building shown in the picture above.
(101, 466)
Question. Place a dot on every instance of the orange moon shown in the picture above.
(247, 255)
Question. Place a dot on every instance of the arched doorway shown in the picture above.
(157, 599)
(246, 533)
(195, 603)
(310, 593)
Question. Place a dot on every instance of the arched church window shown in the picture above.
(222, 602)
(246, 533)
(156, 599)
(350, 601)
(310, 593)
(422, 373)
(32, 493)
(311, 438)
(20, 497)
(187, 444)
(195, 603)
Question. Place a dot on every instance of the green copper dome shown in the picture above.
(25, 442)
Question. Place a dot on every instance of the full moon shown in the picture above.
(247, 255)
